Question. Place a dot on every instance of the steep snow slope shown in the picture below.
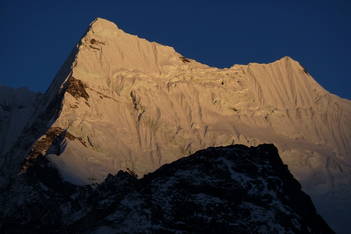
(123, 102)
(233, 189)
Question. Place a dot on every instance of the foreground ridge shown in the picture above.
(232, 189)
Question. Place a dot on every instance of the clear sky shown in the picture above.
(37, 36)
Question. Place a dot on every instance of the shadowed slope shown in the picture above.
(233, 189)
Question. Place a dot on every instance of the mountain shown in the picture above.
(15, 107)
(233, 189)
(120, 102)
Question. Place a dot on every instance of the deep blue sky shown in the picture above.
(37, 36)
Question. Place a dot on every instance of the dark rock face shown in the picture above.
(76, 88)
(233, 189)
(53, 137)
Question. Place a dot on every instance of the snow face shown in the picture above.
(130, 103)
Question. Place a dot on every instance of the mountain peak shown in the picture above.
(287, 58)
(102, 28)
(107, 49)
(122, 102)
(103, 23)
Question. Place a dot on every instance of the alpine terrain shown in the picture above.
(120, 102)
(233, 189)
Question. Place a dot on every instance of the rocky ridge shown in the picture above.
(233, 189)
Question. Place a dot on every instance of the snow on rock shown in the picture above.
(232, 189)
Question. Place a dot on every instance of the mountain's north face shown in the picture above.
(120, 102)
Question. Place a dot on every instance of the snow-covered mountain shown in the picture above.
(122, 102)
(233, 189)
(15, 107)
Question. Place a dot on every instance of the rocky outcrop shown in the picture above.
(76, 88)
(233, 189)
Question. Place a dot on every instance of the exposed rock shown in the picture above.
(53, 138)
(52, 142)
(233, 189)
(76, 88)
(184, 59)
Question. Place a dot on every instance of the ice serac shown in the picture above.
(122, 102)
